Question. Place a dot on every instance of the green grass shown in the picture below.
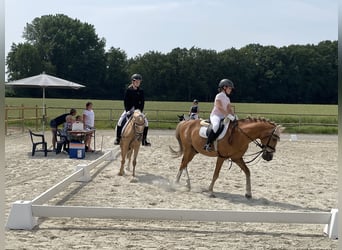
(296, 117)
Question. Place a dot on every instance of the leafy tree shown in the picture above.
(116, 74)
(23, 60)
(68, 49)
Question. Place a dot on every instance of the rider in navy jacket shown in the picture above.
(134, 99)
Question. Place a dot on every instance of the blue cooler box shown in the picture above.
(76, 150)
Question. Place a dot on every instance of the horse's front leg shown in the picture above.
(245, 169)
(129, 157)
(135, 155)
(219, 163)
(123, 156)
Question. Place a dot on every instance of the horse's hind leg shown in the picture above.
(219, 163)
(187, 157)
(245, 169)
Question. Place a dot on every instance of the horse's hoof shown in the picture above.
(120, 174)
(211, 195)
(248, 196)
(134, 180)
(188, 185)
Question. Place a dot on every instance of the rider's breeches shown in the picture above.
(124, 116)
(215, 121)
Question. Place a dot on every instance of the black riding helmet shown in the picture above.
(227, 83)
(136, 77)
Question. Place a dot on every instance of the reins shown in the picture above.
(138, 134)
(252, 140)
(263, 147)
(257, 154)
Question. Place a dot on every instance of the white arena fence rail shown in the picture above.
(24, 214)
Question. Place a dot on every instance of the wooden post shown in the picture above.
(22, 118)
(6, 119)
(157, 116)
(36, 117)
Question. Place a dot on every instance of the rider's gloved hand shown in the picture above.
(232, 117)
(129, 113)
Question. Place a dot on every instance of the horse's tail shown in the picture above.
(179, 152)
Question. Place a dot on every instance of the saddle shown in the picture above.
(125, 122)
(207, 127)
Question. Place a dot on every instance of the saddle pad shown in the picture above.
(77, 126)
(203, 131)
(125, 125)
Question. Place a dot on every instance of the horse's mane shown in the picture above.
(259, 119)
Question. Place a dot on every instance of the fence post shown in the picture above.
(36, 117)
(22, 118)
(6, 119)
(157, 116)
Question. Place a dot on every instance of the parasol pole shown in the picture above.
(43, 109)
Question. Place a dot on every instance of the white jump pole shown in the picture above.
(182, 214)
(21, 215)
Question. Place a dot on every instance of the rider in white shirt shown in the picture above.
(221, 109)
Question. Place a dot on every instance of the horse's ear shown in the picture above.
(281, 128)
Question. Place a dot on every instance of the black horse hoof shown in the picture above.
(212, 195)
(248, 196)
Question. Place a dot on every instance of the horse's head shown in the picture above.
(269, 142)
(139, 121)
(181, 117)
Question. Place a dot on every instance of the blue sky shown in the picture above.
(139, 26)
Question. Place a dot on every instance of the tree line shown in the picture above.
(67, 48)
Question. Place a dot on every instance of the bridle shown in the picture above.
(265, 148)
(137, 126)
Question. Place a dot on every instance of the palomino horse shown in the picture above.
(232, 146)
(131, 139)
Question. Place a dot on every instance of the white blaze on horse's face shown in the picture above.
(269, 143)
(139, 121)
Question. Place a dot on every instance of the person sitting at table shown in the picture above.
(54, 123)
(78, 124)
(69, 120)
(79, 118)
(65, 138)
(89, 122)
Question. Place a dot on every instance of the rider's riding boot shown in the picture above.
(144, 141)
(118, 135)
(210, 139)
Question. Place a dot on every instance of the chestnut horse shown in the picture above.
(131, 139)
(232, 146)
